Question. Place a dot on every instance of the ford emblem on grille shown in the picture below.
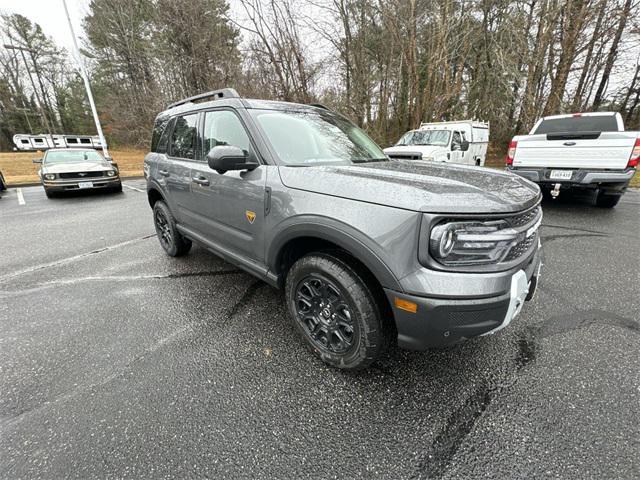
(81, 174)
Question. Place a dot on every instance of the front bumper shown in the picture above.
(580, 177)
(442, 321)
(73, 184)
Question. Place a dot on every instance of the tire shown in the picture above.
(171, 240)
(3, 185)
(335, 311)
(117, 188)
(49, 193)
(606, 200)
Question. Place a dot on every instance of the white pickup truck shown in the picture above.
(580, 150)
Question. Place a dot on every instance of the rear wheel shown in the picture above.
(170, 238)
(607, 200)
(335, 311)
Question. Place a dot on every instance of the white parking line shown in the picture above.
(133, 188)
(20, 197)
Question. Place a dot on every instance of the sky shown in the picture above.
(50, 15)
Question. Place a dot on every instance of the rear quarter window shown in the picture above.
(158, 129)
(600, 123)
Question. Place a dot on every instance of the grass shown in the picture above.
(18, 167)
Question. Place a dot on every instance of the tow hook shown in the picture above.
(556, 190)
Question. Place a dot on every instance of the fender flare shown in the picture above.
(334, 231)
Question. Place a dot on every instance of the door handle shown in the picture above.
(201, 180)
(164, 173)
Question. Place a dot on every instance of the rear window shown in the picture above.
(600, 123)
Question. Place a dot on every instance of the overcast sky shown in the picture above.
(50, 15)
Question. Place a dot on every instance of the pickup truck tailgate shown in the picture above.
(610, 150)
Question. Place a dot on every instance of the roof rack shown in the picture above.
(214, 95)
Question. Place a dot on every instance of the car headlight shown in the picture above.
(50, 176)
(472, 243)
(111, 173)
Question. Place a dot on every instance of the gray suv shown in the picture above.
(368, 250)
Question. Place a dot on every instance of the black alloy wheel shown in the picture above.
(324, 313)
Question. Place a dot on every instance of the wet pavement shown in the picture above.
(118, 361)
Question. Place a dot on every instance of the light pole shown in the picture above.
(87, 86)
(35, 90)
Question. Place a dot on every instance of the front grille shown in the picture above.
(405, 156)
(523, 222)
(81, 175)
(525, 218)
(520, 248)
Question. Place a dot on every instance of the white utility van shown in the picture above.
(463, 141)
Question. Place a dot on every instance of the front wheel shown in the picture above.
(335, 311)
(606, 200)
(170, 238)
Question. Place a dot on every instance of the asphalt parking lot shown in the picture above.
(118, 361)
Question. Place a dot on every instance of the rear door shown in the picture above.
(183, 148)
(585, 141)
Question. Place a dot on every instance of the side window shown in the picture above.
(184, 137)
(158, 129)
(456, 141)
(223, 127)
(163, 143)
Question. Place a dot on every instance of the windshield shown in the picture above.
(70, 156)
(313, 137)
(425, 137)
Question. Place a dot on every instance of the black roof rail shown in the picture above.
(318, 105)
(214, 95)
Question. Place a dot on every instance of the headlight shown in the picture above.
(50, 176)
(111, 173)
(472, 243)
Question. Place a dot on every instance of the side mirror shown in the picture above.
(465, 145)
(227, 157)
(37, 160)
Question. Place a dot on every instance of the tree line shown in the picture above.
(386, 64)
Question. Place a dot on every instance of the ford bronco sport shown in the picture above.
(368, 250)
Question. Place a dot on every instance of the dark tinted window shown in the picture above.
(184, 137)
(600, 123)
(163, 144)
(85, 140)
(158, 128)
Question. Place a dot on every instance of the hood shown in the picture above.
(76, 167)
(425, 150)
(418, 185)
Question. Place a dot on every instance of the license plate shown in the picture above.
(561, 174)
(85, 184)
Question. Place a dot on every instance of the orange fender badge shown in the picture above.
(251, 216)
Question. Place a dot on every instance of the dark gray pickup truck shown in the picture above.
(368, 250)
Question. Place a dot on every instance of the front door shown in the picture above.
(230, 205)
(456, 148)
